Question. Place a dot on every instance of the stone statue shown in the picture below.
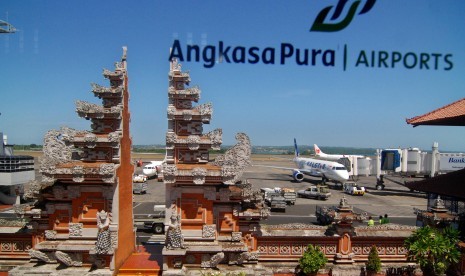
(174, 237)
(103, 244)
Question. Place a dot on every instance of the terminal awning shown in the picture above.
(450, 115)
(449, 184)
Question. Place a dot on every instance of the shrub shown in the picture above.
(433, 250)
(374, 263)
(312, 259)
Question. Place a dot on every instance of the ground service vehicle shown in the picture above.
(314, 191)
(274, 199)
(154, 222)
(139, 178)
(139, 187)
(352, 188)
(289, 194)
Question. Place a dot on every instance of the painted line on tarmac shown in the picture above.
(137, 205)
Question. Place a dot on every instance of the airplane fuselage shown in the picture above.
(322, 168)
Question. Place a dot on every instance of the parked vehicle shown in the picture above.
(154, 222)
(353, 188)
(274, 198)
(289, 194)
(139, 187)
(139, 178)
(314, 191)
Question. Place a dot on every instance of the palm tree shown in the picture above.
(433, 250)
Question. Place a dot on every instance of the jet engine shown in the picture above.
(298, 176)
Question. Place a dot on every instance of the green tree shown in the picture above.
(312, 260)
(434, 250)
(374, 263)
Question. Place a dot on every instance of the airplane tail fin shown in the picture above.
(296, 149)
(317, 150)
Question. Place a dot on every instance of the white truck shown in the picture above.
(314, 191)
(154, 222)
(353, 188)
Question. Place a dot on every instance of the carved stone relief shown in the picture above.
(212, 261)
(75, 229)
(199, 175)
(71, 259)
(42, 256)
(209, 231)
(50, 234)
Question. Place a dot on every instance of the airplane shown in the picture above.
(153, 168)
(327, 170)
(334, 157)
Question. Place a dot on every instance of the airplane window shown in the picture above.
(340, 168)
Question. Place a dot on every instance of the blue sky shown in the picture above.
(62, 46)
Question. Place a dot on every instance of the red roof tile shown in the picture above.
(450, 115)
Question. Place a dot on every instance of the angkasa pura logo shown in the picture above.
(319, 24)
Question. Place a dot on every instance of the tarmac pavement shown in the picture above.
(395, 200)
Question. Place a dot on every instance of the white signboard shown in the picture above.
(451, 162)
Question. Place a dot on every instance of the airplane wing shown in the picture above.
(309, 172)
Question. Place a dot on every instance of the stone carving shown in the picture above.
(114, 137)
(193, 142)
(171, 111)
(56, 150)
(244, 256)
(78, 174)
(103, 244)
(175, 65)
(235, 160)
(198, 175)
(216, 138)
(98, 89)
(187, 115)
(50, 234)
(84, 108)
(90, 138)
(213, 261)
(73, 259)
(386, 227)
(41, 256)
(75, 229)
(236, 236)
(209, 231)
(174, 236)
(13, 222)
(36, 213)
(114, 239)
(169, 173)
(112, 74)
(205, 111)
(107, 169)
